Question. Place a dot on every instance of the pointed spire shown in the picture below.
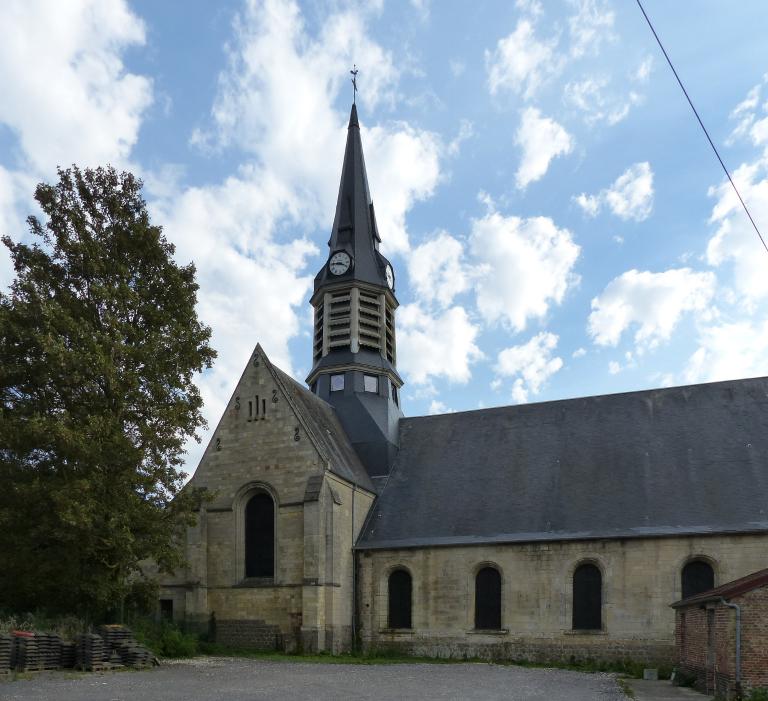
(354, 224)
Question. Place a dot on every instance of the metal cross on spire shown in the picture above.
(354, 72)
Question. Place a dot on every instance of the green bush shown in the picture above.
(758, 694)
(165, 638)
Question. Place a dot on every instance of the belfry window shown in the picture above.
(697, 576)
(399, 599)
(260, 536)
(587, 598)
(337, 383)
(488, 599)
(371, 383)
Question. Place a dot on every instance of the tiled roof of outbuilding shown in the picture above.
(681, 460)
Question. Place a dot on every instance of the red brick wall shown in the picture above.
(705, 640)
(754, 637)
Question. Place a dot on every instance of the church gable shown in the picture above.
(271, 433)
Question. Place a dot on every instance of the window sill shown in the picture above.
(488, 631)
(255, 582)
(396, 631)
(585, 632)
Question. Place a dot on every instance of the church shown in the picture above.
(560, 530)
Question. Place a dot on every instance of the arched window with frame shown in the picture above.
(400, 593)
(587, 597)
(488, 599)
(260, 536)
(697, 576)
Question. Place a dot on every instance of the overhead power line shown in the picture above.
(711, 143)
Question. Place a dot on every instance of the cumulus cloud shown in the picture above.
(730, 350)
(438, 407)
(652, 302)
(592, 98)
(437, 271)
(735, 240)
(590, 26)
(524, 267)
(530, 364)
(521, 62)
(291, 126)
(630, 196)
(74, 99)
(436, 346)
(541, 139)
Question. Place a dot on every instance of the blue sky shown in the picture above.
(557, 222)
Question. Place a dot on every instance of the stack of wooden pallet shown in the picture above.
(89, 653)
(6, 646)
(25, 654)
(49, 648)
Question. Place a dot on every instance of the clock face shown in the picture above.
(390, 277)
(339, 263)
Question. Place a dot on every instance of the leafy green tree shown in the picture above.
(99, 344)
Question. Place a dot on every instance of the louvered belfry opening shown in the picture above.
(399, 609)
(355, 319)
(587, 598)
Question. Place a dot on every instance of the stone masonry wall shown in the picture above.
(641, 577)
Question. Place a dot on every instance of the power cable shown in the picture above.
(711, 143)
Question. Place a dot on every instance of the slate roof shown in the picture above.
(728, 590)
(683, 460)
(323, 425)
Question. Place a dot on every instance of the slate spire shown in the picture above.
(354, 224)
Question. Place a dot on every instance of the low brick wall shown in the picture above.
(249, 633)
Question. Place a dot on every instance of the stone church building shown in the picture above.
(542, 531)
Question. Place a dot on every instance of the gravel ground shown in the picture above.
(210, 678)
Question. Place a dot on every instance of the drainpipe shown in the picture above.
(736, 608)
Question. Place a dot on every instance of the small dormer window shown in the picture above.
(371, 383)
(395, 398)
(337, 383)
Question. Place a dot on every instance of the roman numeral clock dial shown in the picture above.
(339, 263)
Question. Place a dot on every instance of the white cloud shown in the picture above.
(735, 240)
(630, 196)
(598, 105)
(66, 93)
(438, 407)
(291, 126)
(643, 72)
(653, 302)
(541, 140)
(614, 367)
(730, 350)
(521, 63)
(530, 364)
(525, 266)
(436, 346)
(457, 67)
(437, 271)
(579, 353)
(590, 26)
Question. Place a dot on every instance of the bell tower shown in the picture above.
(354, 352)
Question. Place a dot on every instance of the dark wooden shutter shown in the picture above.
(400, 599)
(260, 536)
(698, 576)
(587, 598)
(488, 599)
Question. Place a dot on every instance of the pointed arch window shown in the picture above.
(260, 536)
(697, 576)
(587, 597)
(400, 596)
(488, 599)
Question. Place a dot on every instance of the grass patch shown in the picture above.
(626, 689)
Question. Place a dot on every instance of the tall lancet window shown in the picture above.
(260, 536)
(587, 598)
(697, 577)
(400, 591)
(488, 599)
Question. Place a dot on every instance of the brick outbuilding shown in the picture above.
(721, 636)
